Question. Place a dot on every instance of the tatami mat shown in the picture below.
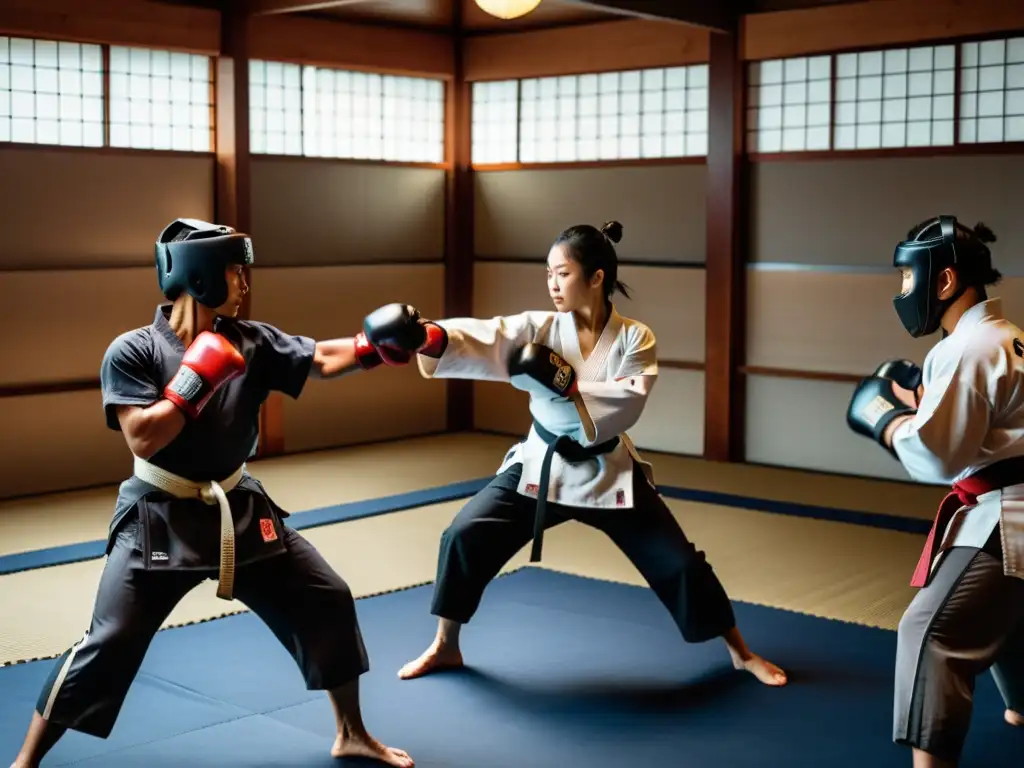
(834, 570)
(324, 478)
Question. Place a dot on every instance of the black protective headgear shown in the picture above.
(947, 244)
(192, 255)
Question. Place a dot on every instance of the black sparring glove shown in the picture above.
(538, 369)
(903, 372)
(874, 405)
(397, 332)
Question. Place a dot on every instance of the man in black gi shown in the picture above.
(186, 392)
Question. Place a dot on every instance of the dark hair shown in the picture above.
(972, 246)
(594, 249)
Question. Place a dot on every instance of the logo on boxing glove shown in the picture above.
(563, 373)
(873, 412)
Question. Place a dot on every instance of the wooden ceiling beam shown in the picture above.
(719, 16)
(269, 7)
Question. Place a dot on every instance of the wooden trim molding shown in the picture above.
(956, 150)
(790, 373)
(571, 165)
(681, 365)
(48, 388)
(259, 157)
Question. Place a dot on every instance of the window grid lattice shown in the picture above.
(992, 91)
(495, 122)
(275, 108)
(51, 92)
(895, 98)
(789, 105)
(372, 116)
(161, 100)
(651, 113)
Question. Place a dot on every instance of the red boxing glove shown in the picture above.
(393, 356)
(367, 356)
(437, 341)
(209, 363)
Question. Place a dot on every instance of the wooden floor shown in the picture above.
(836, 570)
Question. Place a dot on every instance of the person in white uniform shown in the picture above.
(959, 420)
(589, 372)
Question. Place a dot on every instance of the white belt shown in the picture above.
(211, 493)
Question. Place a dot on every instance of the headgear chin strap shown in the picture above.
(920, 309)
(193, 255)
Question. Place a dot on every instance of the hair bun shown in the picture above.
(983, 233)
(612, 230)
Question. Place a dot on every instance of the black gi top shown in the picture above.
(136, 367)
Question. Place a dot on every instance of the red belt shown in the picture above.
(965, 493)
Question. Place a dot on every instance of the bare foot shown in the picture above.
(367, 746)
(762, 669)
(434, 659)
(1014, 718)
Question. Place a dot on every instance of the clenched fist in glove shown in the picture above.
(875, 403)
(537, 369)
(210, 362)
(398, 332)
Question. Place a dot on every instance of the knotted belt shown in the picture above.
(211, 492)
(570, 451)
(964, 494)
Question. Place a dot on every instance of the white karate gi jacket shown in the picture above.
(614, 384)
(971, 416)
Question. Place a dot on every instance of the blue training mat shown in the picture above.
(566, 672)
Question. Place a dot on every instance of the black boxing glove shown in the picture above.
(873, 407)
(903, 372)
(535, 368)
(397, 331)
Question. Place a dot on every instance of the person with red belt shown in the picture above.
(958, 420)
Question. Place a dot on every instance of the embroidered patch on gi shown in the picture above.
(532, 488)
(620, 498)
(267, 529)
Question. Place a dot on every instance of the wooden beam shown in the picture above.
(269, 7)
(232, 199)
(725, 293)
(459, 213)
(300, 40)
(606, 46)
(876, 24)
(114, 22)
(717, 16)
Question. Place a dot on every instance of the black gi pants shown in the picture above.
(968, 619)
(498, 522)
(307, 606)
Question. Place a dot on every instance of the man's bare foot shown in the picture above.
(1014, 718)
(762, 669)
(367, 746)
(434, 659)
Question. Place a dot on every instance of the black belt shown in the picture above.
(570, 451)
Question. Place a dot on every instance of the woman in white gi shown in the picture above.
(589, 372)
(959, 420)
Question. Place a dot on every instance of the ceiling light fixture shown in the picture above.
(507, 9)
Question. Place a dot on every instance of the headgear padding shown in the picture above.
(193, 255)
(932, 247)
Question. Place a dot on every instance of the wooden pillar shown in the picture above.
(727, 215)
(459, 244)
(233, 180)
